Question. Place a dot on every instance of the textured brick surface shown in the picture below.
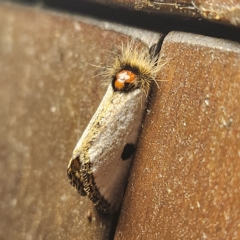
(185, 177)
(47, 96)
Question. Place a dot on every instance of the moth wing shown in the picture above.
(115, 124)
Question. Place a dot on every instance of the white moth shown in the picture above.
(101, 161)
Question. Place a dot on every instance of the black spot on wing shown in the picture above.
(128, 151)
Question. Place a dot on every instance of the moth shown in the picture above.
(102, 158)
